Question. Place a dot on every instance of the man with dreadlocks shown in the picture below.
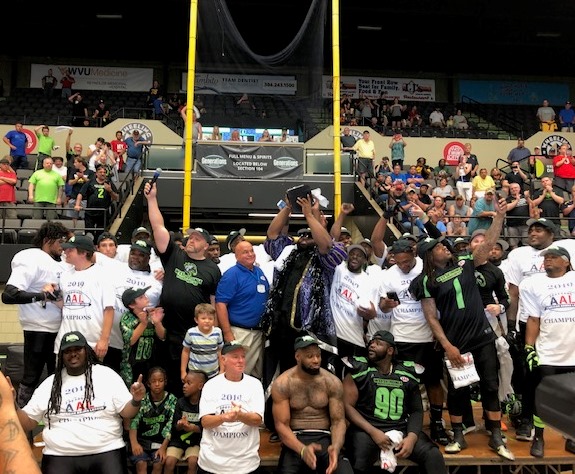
(32, 286)
(82, 405)
(447, 286)
(298, 302)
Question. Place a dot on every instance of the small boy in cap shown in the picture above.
(141, 327)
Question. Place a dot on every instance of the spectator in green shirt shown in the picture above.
(45, 144)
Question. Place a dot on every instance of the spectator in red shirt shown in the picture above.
(8, 181)
(564, 170)
(119, 148)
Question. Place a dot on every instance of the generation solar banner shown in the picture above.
(388, 88)
(96, 78)
(255, 162)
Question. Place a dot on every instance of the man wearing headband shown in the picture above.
(448, 286)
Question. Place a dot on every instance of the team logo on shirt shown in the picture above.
(562, 302)
(189, 274)
(77, 300)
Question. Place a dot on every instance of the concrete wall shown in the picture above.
(10, 329)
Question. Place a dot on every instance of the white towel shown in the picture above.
(387, 456)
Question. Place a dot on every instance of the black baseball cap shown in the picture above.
(107, 236)
(357, 247)
(72, 339)
(142, 246)
(233, 235)
(130, 295)
(79, 242)
(543, 223)
(198, 230)
(558, 251)
(427, 244)
(305, 341)
(232, 346)
(384, 335)
(402, 246)
(140, 230)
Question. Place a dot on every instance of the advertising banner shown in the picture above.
(94, 78)
(258, 161)
(389, 88)
(207, 83)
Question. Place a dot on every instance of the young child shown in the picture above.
(150, 429)
(140, 327)
(186, 428)
(202, 343)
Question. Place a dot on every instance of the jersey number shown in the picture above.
(101, 193)
(389, 403)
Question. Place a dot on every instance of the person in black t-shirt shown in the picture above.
(448, 286)
(98, 193)
(190, 278)
(186, 427)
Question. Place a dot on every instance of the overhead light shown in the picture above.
(548, 34)
(369, 28)
(109, 17)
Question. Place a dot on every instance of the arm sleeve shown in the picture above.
(415, 422)
(12, 295)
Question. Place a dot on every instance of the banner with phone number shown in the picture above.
(258, 161)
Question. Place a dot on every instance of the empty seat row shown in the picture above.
(23, 231)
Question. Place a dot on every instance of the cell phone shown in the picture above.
(498, 195)
(392, 295)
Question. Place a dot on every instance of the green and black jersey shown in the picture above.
(459, 304)
(388, 401)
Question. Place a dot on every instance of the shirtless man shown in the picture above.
(307, 404)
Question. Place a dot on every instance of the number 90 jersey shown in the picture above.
(388, 401)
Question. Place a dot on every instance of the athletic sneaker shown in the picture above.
(524, 431)
(537, 447)
(498, 445)
(457, 444)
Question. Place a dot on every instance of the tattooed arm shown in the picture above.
(15, 453)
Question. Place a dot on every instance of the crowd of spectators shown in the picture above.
(189, 324)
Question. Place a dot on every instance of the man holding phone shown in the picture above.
(412, 333)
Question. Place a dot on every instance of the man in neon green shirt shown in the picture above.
(45, 144)
(45, 189)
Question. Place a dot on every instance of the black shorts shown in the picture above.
(425, 354)
(290, 462)
(365, 165)
(109, 462)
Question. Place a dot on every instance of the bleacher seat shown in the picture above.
(24, 211)
(21, 196)
(8, 230)
(29, 230)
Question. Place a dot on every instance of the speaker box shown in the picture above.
(555, 402)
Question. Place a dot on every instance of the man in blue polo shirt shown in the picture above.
(241, 297)
(16, 140)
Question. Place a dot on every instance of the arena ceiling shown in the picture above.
(445, 36)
